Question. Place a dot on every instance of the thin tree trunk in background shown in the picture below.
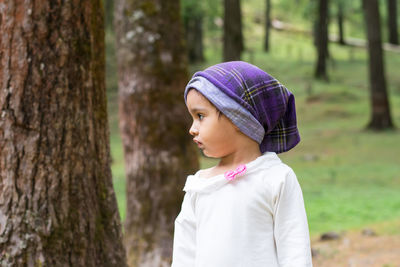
(392, 22)
(57, 203)
(108, 14)
(154, 123)
(380, 110)
(340, 20)
(322, 40)
(194, 35)
(233, 36)
(267, 24)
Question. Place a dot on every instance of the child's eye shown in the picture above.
(200, 116)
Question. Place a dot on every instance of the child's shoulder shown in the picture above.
(277, 173)
(270, 162)
(204, 173)
(282, 168)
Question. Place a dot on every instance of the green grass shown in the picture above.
(350, 176)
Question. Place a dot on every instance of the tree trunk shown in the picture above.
(380, 111)
(57, 204)
(193, 22)
(322, 40)
(108, 14)
(154, 124)
(233, 37)
(392, 22)
(267, 24)
(340, 20)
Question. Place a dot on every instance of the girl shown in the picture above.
(248, 211)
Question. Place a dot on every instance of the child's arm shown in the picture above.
(291, 227)
(184, 250)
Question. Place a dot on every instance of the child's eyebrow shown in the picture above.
(195, 110)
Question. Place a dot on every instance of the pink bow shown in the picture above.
(230, 175)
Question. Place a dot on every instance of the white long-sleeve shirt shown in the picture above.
(256, 220)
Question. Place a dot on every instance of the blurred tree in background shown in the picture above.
(57, 203)
(233, 36)
(108, 14)
(193, 13)
(321, 39)
(380, 110)
(392, 22)
(340, 5)
(268, 25)
(154, 123)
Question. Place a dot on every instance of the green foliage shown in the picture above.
(192, 8)
(210, 10)
(295, 10)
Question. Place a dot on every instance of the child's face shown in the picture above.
(215, 134)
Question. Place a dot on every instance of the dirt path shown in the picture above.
(357, 250)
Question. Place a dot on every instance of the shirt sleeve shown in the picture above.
(290, 225)
(184, 249)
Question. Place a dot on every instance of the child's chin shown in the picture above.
(208, 154)
(205, 154)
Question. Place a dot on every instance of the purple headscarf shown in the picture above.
(262, 108)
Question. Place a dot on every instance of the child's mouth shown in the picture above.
(199, 144)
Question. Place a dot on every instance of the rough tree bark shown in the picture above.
(57, 204)
(154, 123)
(321, 38)
(267, 24)
(233, 37)
(380, 110)
(392, 22)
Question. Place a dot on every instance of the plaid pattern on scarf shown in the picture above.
(271, 103)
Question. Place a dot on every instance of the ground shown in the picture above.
(355, 249)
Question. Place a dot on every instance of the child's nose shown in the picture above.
(193, 130)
